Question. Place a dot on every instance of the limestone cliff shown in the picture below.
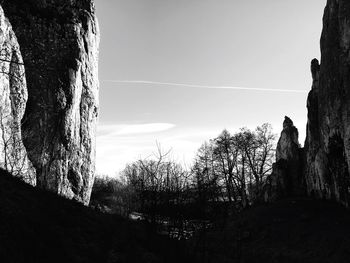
(328, 131)
(59, 42)
(13, 99)
(286, 178)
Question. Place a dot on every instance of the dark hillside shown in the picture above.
(286, 231)
(36, 226)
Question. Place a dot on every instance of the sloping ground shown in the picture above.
(36, 226)
(287, 231)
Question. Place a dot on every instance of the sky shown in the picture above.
(178, 72)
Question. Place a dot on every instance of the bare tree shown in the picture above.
(205, 175)
(161, 188)
(258, 147)
(238, 164)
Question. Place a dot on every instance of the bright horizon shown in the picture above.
(179, 72)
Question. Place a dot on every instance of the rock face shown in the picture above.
(13, 99)
(59, 42)
(287, 178)
(327, 144)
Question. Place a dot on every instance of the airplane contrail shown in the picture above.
(202, 86)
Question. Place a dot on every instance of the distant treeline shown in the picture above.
(229, 173)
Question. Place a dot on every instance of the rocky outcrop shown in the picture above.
(287, 179)
(59, 42)
(328, 131)
(13, 99)
(288, 144)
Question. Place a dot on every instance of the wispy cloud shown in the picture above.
(115, 151)
(133, 129)
(146, 82)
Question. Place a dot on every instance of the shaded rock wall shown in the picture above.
(59, 41)
(287, 179)
(13, 99)
(328, 131)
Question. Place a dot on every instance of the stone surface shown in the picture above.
(288, 143)
(327, 144)
(287, 178)
(59, 42)
(13, 99)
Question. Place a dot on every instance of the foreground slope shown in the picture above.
(286, 231)
(37, 226)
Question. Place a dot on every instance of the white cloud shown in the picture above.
(118, 145)
(132, 129)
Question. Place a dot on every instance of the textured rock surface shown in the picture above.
(288, 144)
(287, 178)
(59, 43)
(328, 132)
(13, 99)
